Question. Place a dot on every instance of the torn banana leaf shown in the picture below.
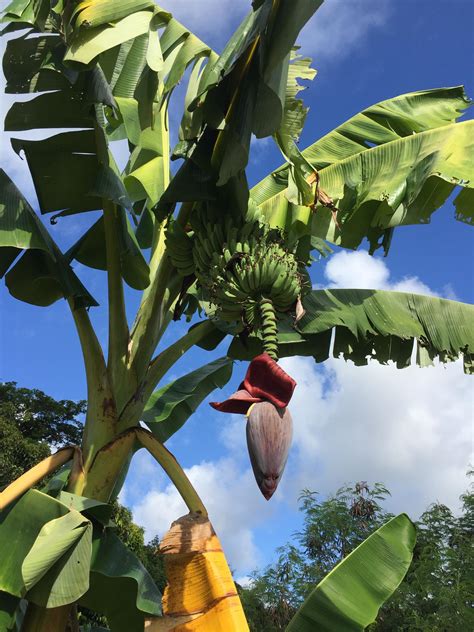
(377, 325)
(393, 164)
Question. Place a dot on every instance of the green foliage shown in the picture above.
(104, 71)
(133, 537)
(45, 547)
(332, 529)
(30, 423)
(42, 275)
(20, 527)
(171, 406)
(40, 417)
(56, 569)
(350, 596)
(418, 133)
(435, 595)
(377, 324)
(17, 453)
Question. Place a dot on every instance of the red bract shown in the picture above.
(264, 381)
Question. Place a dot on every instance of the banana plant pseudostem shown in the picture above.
(200, 244)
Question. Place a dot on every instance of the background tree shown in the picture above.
(435, 596)
(40, 417)
(31, 423)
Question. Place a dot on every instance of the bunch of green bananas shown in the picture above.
(244, 268)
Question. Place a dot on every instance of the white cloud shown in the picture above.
(410, 429)
(347, 269)
(339, 26)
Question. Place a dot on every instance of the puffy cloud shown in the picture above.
(410, 429)
(358, 269)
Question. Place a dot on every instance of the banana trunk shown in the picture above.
(201, 595)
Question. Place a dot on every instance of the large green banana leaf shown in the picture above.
(350, 596)
(20, 527)
(38, 550)
(42, 275)
(170, 407)
(56, 569)
(393, 164)
(108, 83)
(120, 586)
(241, 92)
(375, 324)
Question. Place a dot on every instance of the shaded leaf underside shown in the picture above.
(375, 324)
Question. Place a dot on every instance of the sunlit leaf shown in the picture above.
(56, 569)
(169, 408)
(349, 597)
(392, 164)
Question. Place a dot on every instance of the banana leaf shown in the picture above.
(90, 251)
(52, 162)
(59, 109)
(120, 586)
(243, 91)
(87, 44)
(170, 407)
(27, 12)
(377, 325)
(299, 190)
(180, 48)
(20, 526)
(394, 163)
(350, 596)
(8, 612)
(56, 569)
(31, 65)
(42, 275)
(93, 14)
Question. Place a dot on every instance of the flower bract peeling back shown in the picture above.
(264, 396)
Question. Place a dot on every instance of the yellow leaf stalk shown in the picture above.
(201, 595)
(34, 475)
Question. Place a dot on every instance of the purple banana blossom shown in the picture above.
(269, 433)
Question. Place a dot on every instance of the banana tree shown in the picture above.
(199, 245)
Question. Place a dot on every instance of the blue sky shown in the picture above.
(410, 429)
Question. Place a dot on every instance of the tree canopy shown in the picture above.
(436, 594)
